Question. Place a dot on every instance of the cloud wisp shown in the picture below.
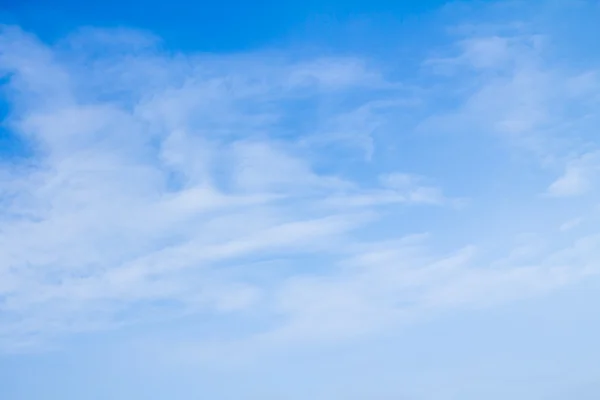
(149, 185)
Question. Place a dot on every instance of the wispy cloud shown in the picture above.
(579, 177)
(136, 192)
(152, 184)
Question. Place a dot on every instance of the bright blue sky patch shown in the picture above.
(353, 200)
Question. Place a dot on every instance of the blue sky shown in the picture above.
(291, 200)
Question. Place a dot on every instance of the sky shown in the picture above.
(329, 200)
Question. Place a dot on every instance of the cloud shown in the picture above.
(488, 53)
(511, 85)
(152, 184)
(578, 178)
(137, 194)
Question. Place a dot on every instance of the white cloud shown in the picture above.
(136, 193)
(384, 285)
(515, 90)
(578, 178)
(570, 224)
(154, 179)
